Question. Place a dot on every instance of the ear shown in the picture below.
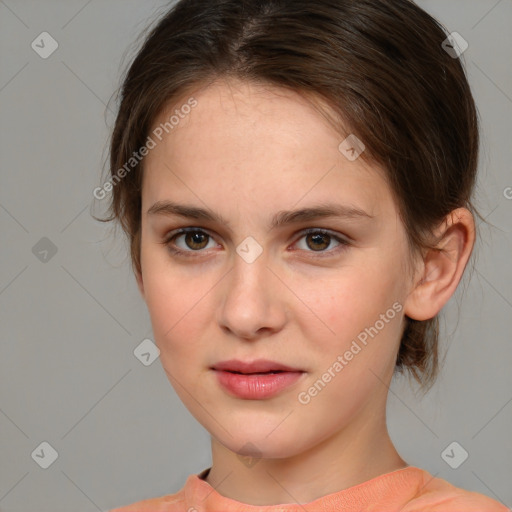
(442, 267)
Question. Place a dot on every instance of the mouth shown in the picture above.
(254, 373)
(255, 380)
(258, 366)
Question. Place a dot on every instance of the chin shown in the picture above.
(254, 443)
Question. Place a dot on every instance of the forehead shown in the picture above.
(254, 144)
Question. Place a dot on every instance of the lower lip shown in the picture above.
(256, 386)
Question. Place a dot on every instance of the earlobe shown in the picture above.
(443, 266)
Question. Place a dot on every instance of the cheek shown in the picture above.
(360, 307)
(174, 305)
(348, 300)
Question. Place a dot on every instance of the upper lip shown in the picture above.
(256, 366)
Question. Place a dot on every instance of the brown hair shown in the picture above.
(378, 64)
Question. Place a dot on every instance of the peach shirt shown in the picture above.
(409, 489)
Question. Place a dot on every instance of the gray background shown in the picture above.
(70, 321)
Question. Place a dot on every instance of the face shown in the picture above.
(320, 293)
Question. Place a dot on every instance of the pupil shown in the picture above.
(318, 239)
(195, 239)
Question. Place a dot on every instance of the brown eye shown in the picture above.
(196, 240)
(318, 241)
(187, 242)
(322, 242)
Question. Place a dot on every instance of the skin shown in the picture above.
(248, 152)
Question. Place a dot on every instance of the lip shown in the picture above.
(256, 366)
(252, 380)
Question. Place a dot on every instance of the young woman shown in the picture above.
(295, 180)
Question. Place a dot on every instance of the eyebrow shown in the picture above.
(285, 217)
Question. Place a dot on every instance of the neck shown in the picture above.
(359, 452)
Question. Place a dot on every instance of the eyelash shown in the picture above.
(194, 254)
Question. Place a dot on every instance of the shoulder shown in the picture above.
(438, 495)
(167, 503)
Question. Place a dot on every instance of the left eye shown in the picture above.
(195, 240)
(318, 240)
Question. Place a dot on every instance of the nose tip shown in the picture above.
(250, 307)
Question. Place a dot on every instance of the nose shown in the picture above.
(252, 300)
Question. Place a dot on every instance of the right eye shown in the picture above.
(193, 240)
